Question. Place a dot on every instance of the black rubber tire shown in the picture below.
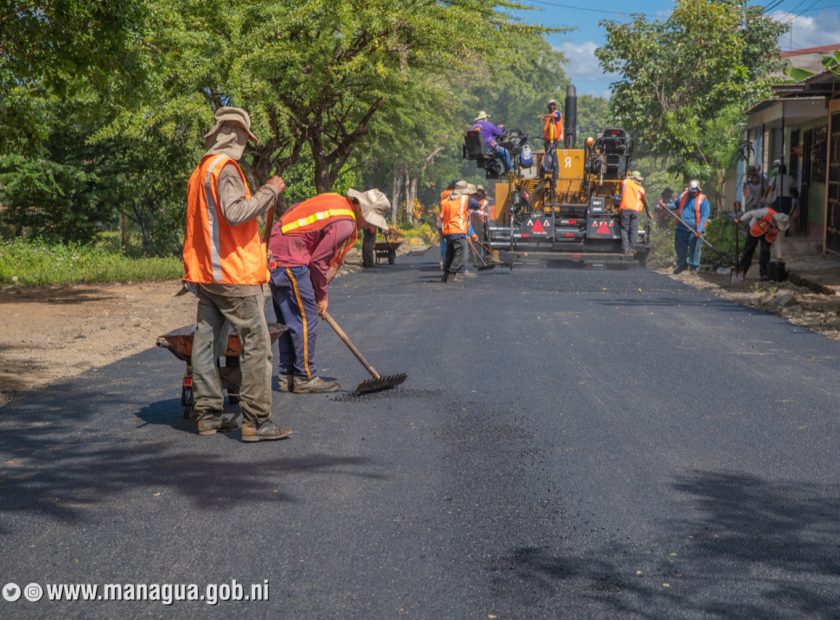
(392, 257)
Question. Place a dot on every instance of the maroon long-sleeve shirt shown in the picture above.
(314, 250)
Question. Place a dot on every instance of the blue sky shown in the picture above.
(814, 22)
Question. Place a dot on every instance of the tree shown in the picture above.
(681, 76)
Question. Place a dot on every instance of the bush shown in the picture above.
(720, 233)
(37, 263)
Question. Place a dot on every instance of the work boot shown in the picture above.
(693, 270)
(468, 274)
(285, 383)
(264, 431)
(678, 270)
(211, 423)
(315, 385)
(444, 278)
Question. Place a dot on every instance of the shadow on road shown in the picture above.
(73, 452)
(756, 549)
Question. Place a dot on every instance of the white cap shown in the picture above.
(782, 221)
(694, 184)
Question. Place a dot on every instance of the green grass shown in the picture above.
(26, 263)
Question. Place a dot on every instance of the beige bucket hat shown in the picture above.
(374, 206)
(237, 116)
(782, 221)
(482, 116)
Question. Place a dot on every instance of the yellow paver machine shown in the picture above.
(567, 201)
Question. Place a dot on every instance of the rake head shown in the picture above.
(377, 385)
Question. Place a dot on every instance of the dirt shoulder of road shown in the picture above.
(53, 333)
(798, 305)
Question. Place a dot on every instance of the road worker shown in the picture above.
(693, 209)
(455, 226)
(629, 207)
(765, 227)
(308, 245)
(491, 134)
(225, 267)
(443, 196)
(552, 125)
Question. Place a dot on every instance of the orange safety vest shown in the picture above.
(316, 214)
(698, 201)
(215, 251)
(631, 196)
(454, 215)
(552, 128)
(766, 226)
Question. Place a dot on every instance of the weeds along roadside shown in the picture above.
(34, 263)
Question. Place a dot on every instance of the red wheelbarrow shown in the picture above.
(179, 342)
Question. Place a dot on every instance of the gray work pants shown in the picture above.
(247, 317)
(629, 224)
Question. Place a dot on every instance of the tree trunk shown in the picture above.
(407, 183)
(413, 197)
(395, 192)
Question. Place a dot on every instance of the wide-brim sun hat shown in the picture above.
(374, 205)
(482, 116)
(237, 116)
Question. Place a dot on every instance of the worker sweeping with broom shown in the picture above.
(308, 245)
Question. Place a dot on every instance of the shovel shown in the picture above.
(378, 382)
(481, 264)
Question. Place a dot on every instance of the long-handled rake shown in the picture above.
(500, 256)
(378, 382)
(481, 263)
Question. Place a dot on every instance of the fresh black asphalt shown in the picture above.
(570, 443)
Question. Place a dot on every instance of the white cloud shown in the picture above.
(808, 31)
(581, 61)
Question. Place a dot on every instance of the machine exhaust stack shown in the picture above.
(570, 117)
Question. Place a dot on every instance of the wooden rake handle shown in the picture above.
(346, 340)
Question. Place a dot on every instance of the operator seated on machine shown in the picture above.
(491, 133)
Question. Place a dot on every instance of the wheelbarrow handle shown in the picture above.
(346, 340)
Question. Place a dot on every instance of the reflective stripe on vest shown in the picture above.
(552, 128)
(765, 226)
(697, 202)
(216, 252)
(454, 216)
(316, 213)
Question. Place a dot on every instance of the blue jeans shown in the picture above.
(503, 154)
(442, 248)
(688, 248)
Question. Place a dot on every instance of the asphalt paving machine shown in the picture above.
(568, 200)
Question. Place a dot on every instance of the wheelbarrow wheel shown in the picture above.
(233, 395)
(392, 256)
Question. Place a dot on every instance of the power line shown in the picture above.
(586, 8)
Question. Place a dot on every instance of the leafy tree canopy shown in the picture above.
(681, 76)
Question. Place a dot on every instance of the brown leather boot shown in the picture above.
(285, 382)
(266, 431)
(315, 385)
(211, 423)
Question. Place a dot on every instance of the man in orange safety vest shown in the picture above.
(225, 267)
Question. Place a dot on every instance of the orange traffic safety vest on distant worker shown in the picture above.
(454, 215)
(631, 196)
(216, 252)
(316, 214)
(552, 128)
(698, 201)
(766, 226)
